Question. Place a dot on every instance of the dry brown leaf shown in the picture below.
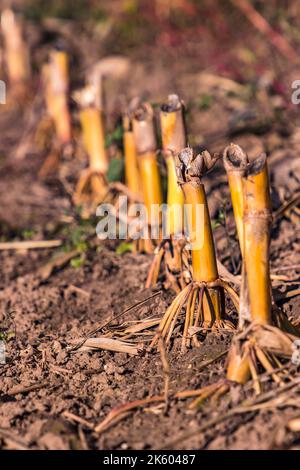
(274, 340)
(108, 344)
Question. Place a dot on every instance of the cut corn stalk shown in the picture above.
(92, 186)
(235, 163)
(260, 344)
(257, 224)
(56, 83)
(203, 298)
(146, 148)
(132, 173)
(132, 176)
(55, 79)
(173, 141)
(172, 253)
(16, 53)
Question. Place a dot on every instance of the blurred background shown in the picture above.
(233, 63)
(179, 46)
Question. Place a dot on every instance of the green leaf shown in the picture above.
(115, 170)
(205, 101)
(215, 224)
(28, 234)
(10, 335)
(77, 262)
(82, 246)
(114, 137)
(124, 247)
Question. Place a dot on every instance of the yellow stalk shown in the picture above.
(247, 351)
(132, 176)
(238, 367)
(204, 296)
(57, 86)
(204, 263)
(173, 252)
(235, 162)
(61, 118)
(150, 178)
(256, 286)
(175, 200)
(257, 219)
(16, 50)
(92, 185)
(145, 142)
(203, 253)
(93, 138)
(172, 125)
(173, 141)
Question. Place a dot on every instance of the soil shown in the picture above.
(41, 380)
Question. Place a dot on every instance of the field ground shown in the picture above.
(250, 107)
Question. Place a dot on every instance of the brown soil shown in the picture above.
(48, 315)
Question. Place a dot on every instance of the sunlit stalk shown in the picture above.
(235, 162)
(172, 254)
(56, 79)
(146, 147)
(257, 220)
(173, 141)
(16, 51)
(203, 298)
(92, 184)
(255, 240)
(132, 176)
(204, 264)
